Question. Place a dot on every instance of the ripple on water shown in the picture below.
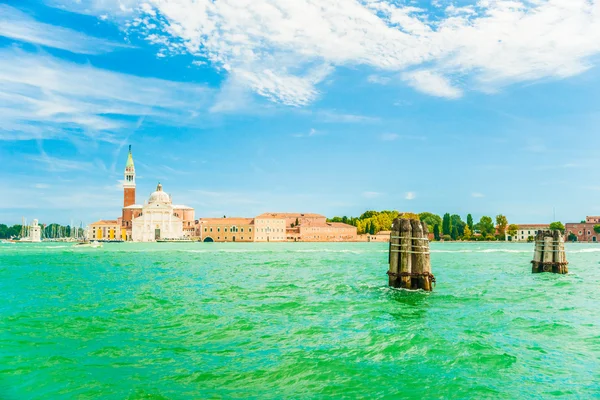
(294, 321)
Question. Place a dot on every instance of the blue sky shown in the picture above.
(330, 106)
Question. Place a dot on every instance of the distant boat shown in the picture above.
(95, 244)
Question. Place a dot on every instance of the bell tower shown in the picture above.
(129, 183)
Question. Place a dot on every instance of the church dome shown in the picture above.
(159, 196)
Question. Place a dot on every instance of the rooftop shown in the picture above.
(106, 222)
(290, 215)
(232, 220)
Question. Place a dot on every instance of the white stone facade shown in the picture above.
(158, 220)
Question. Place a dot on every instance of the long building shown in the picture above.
(526, 232)
(225, 229)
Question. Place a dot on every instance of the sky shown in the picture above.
(240, 107)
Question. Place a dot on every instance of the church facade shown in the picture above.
(157, 219)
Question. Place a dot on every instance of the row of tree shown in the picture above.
(448, 227)
(49, 231)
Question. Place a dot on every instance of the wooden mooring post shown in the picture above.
(549, 254)
(410, 262)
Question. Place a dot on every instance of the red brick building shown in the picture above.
(584, 231)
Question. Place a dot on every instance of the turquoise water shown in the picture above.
(176, 321)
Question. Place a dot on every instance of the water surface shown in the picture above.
(294, 320)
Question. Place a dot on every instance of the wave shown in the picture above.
(594, 250)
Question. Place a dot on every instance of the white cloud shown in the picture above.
(283, 49)
(41, 186)
(371, 195)
(477, 194)
(44, 97)
(381, 80)
(17, 25)
(410, 196)
(431, 83)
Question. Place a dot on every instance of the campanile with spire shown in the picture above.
(129, 183)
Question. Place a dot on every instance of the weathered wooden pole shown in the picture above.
(548, 258)
(395, 235)
(405, 255)
(549, 254)
(537, 255)
(410, 262)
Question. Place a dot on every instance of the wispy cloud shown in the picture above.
(54, 164)
(372, 195)
(380, 80)
(284, 49)
(410, 196)
(336, 117)
(311, 132)
(49, 98)
(17, 25)
(432, 83)
(477, 195)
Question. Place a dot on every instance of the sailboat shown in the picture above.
(30, 234)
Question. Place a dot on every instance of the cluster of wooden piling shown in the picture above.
(410, 262)
(549, 255)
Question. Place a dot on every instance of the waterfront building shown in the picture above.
(583, 231)
(592, 220)
(105, 230)
(270, 227)
(309, 227)
(526, 232)
(327, 232)
(157, 219)
(382, 236)
(225, 229)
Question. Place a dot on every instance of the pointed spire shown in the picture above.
(129, 160)
(159, 187)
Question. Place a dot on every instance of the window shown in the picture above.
(242, 229)
(206, 229)
(249, 229)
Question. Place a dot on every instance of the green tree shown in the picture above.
(486, 226)
(557, 226)
(458, 223)
(3, 231)
(470, 222)
(372, 228)
(572, 237)
(513, 229)
(446, 224)
(296, 223)
(597, 228)
(368, 214)
(430, 219)
(436, 231)
(454, 234)
(467, 234)
(502, 224)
